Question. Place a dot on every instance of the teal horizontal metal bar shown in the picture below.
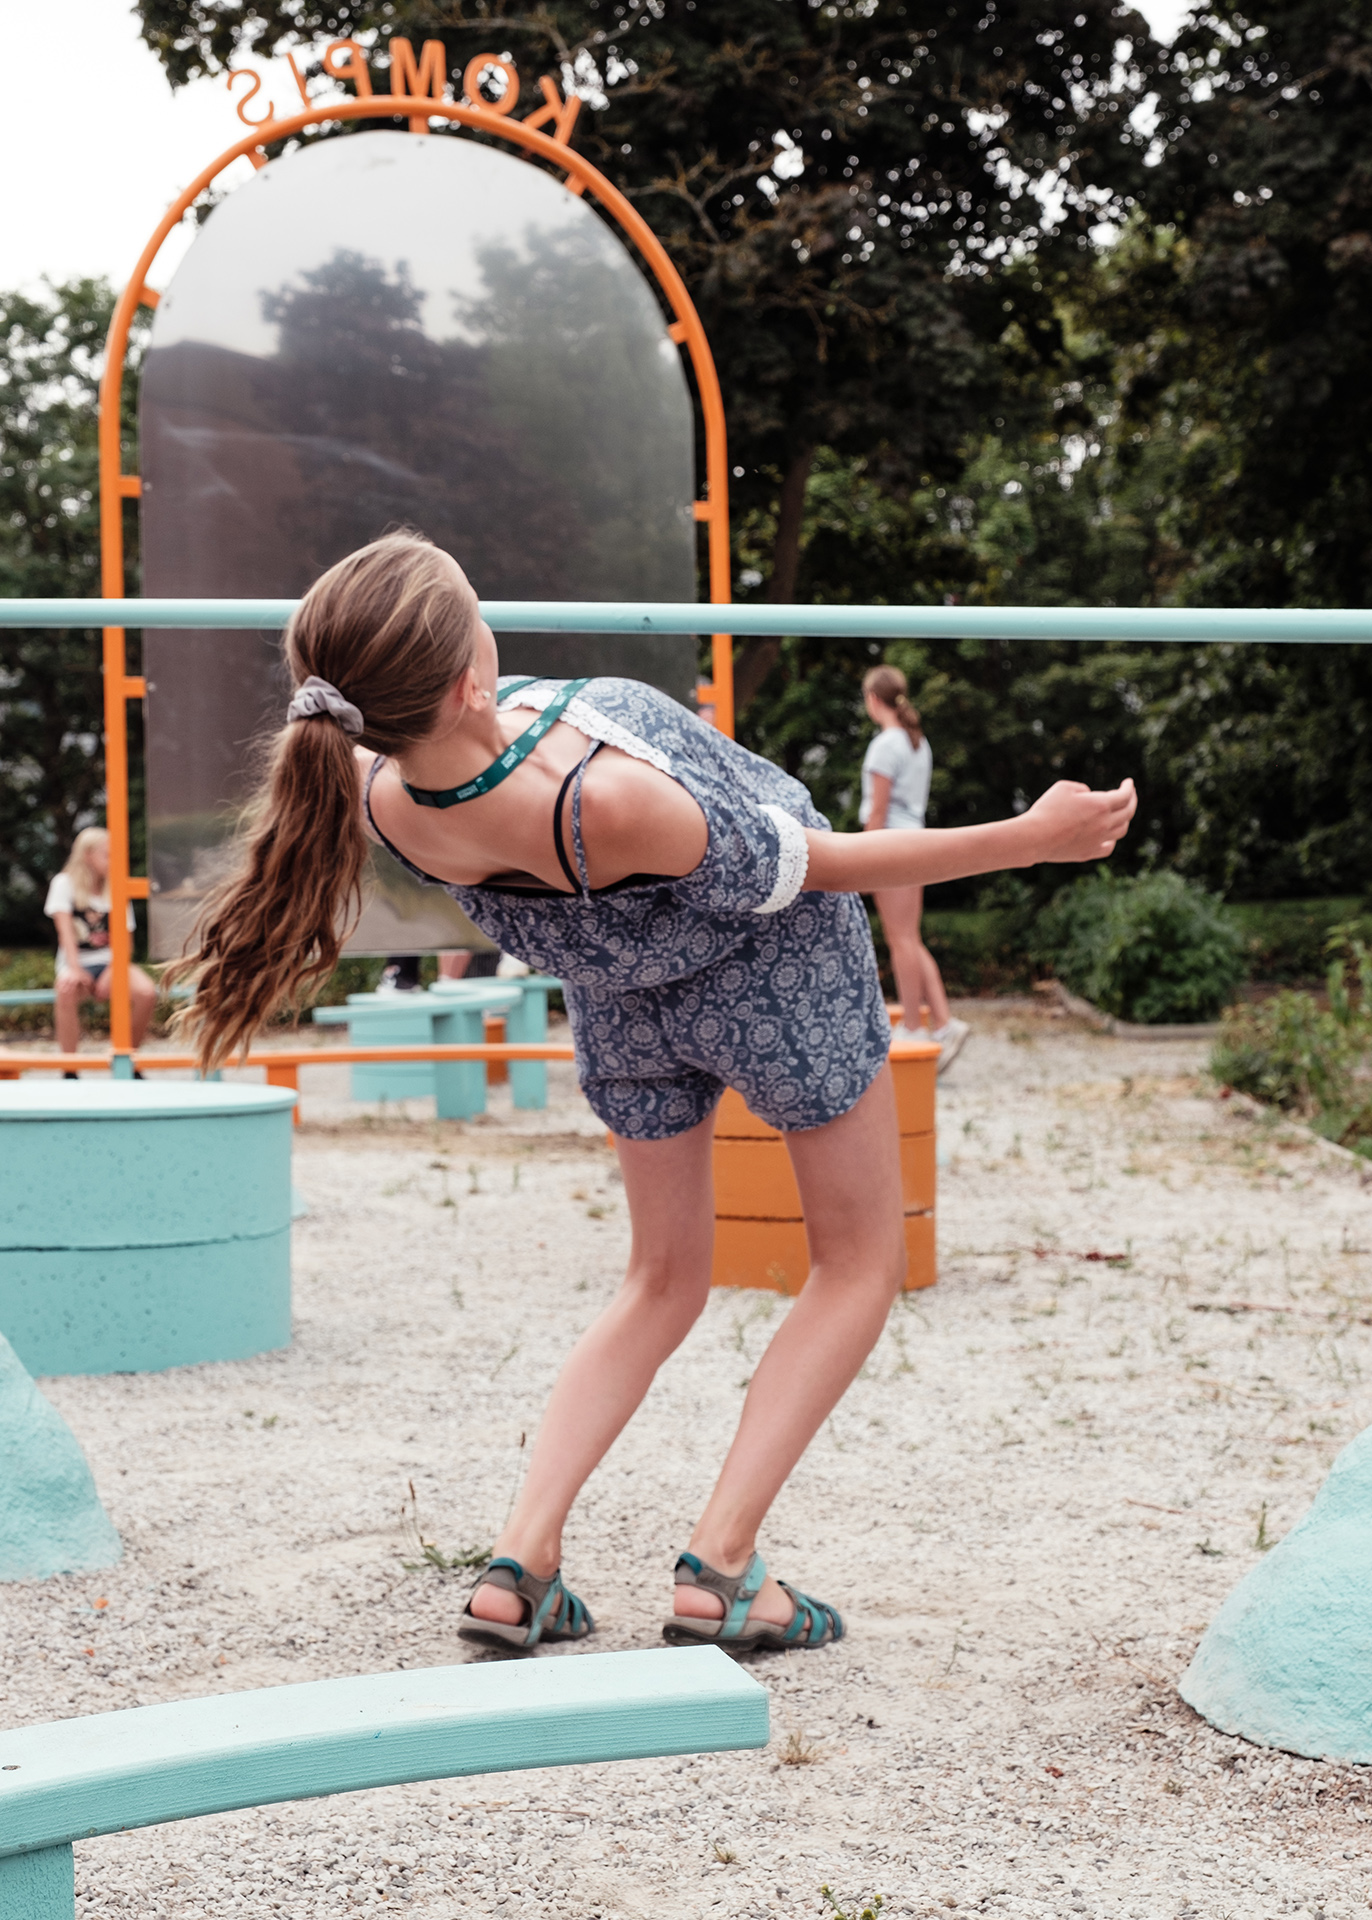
(1309, 624)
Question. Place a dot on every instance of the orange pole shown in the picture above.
(119, 688)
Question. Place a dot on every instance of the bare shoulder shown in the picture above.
(638, 819)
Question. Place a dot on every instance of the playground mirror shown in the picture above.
(379, 331)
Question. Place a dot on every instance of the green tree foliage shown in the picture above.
(51, 692)
(1245, 329)
(840, 186)
(946, 382)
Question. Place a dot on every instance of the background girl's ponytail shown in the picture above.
(391, 628)
(889, 685)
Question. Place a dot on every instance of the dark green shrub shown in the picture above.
(1292, 1053)
(1152, 949)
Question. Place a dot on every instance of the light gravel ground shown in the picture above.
(1050, 1473)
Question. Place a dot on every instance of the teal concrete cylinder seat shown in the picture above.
(143, 1225)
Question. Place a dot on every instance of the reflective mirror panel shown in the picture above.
(395, 330)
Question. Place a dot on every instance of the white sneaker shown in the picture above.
(952, 1038)
(903, 1036)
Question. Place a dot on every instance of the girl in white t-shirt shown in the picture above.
(896, 771)
(78, 904)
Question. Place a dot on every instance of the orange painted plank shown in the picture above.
(761, 1253)
(773, 1254)
(915, 1072)
(754, 1179)
(496, 1070)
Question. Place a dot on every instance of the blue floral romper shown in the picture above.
(729, 976)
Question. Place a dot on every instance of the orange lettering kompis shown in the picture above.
(355, 69)
(426, 81)
(237, 73)
(561, 112)
(471, 83)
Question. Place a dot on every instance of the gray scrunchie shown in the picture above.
(317, 697)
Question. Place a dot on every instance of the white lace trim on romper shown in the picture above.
(793, 859)
(579, 714)
(793, 849)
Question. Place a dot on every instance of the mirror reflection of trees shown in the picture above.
(574, 361)
(501, 380)
(387, 426)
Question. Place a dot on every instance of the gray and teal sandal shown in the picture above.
(813, 1624)
(553, 1613)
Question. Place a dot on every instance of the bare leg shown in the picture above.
(849, 1178)
(72, 989)
(142, 1000)
(453, 966)
(918, 980)
(669, 1186)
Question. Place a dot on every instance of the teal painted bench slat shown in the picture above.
(72, 1779)
(44, 996)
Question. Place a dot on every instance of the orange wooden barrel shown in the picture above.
(759, 1228)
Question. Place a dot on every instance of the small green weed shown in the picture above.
(869, 1912)
(430, 1553)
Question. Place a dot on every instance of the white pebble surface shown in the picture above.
(1051, 1471)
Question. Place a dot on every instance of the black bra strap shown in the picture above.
(580, 883)
(558, 840)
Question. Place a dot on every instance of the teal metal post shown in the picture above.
(528, 1024)
(459, 1085)
(38, 1886)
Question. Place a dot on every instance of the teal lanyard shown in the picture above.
(517, 751)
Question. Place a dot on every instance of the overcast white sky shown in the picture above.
(90, 207)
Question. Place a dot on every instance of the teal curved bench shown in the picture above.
(106, 1773)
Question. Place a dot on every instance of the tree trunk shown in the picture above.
(759, 656)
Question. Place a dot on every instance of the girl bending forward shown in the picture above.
(707, 928)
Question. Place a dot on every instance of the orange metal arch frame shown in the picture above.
(117, 486)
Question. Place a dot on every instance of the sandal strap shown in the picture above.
(540, 1596)
(573, 1616)
(813, 1622)
(736, 1590)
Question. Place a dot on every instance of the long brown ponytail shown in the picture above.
(889, 685)
(391, 627)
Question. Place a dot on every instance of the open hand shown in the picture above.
(1071, 822)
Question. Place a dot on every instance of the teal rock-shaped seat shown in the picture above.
(1287, 1661)
(51, 1519)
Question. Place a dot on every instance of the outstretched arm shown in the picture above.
(1068, 822)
